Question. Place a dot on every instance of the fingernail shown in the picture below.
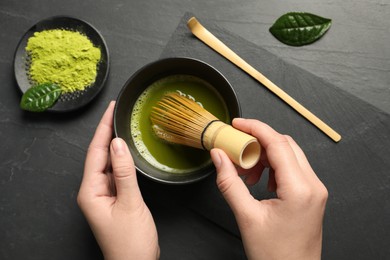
(216, 158)
(238, 119)
(118, 146)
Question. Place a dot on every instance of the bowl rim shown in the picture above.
(150, 65)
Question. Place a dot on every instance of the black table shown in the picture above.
(42, 155)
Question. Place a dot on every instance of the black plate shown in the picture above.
(77, 99)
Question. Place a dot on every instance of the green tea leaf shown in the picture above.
(299, 29)
(40, 97)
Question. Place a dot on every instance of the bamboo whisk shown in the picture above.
(180, 120)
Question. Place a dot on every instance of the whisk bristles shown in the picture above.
(180, 120)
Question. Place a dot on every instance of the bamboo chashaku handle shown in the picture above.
(208, 38)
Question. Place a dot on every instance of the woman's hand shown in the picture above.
(289, 226)
(111, 201)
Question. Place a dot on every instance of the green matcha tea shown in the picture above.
(165, 156)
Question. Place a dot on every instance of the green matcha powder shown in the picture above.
(66, 58)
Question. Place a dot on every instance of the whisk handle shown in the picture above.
(242, 148)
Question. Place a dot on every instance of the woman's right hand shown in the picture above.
(286, 227)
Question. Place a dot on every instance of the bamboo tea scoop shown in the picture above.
(208, 38)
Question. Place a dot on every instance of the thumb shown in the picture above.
(127, 189)
(229, 183)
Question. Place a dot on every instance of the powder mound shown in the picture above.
(67, 58)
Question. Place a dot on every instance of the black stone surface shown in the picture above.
(355, 170)
(42, 155)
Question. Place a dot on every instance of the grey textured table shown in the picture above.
(42, 155)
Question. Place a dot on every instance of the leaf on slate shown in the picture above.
(298, 29)
(40, 97)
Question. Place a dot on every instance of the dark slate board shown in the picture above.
(355, 170)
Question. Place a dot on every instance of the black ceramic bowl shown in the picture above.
(144, 78)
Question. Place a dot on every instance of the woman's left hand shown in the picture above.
(111, 201)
